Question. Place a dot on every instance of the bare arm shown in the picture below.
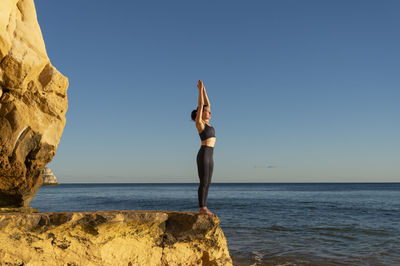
(201, 102)
(206, 101)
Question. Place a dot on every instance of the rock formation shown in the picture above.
(112, 238)
(49, 179)
(33, 103)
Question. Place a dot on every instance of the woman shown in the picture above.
(205, 161)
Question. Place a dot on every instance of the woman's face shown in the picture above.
(206, 113)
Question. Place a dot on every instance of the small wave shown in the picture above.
(346, 237)
(104, 201)
(252, 228)
(276, 228)
(353, 230)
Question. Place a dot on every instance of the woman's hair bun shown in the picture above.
(193, 115)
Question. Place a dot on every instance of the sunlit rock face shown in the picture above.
(33, 103)
(112, 238)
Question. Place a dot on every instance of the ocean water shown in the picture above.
(266, 223)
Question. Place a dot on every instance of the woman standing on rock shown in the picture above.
(205, 161)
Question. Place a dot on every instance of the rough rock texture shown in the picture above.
(33, 103)
(18, 209)
(112, 238)
(49, 179)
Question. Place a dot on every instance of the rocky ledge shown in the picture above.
(112, 238)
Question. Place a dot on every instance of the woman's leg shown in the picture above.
(205, 166)
(210, 168)
(203, 171)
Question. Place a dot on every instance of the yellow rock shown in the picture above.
(33, 103)
(112, 238)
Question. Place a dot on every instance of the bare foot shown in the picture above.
(204, 210)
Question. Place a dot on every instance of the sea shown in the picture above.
(265, 223)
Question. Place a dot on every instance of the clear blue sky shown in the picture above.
(301, 91)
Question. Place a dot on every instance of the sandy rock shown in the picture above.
(33, 103)
(112, 238)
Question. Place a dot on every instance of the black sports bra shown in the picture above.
(207, 133)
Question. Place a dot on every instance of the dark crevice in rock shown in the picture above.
(2, 59)
(20, 11)
(205, 259)
(59, 219)
(62, 244)
(6, 90)
(10, 199)
(89, 223)
(60, 95)
(176, 227)
(45, 75)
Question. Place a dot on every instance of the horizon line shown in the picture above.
(361, 182)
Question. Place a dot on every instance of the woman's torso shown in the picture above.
(210, 141)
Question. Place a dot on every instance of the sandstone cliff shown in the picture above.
(112, 238)
(33, 103)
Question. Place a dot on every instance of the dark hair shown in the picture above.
(194, 112)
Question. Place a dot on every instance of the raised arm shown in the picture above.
(200, 86)
(206, 101)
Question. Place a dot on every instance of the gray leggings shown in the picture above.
(205, 167)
